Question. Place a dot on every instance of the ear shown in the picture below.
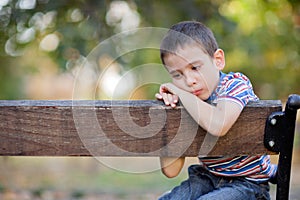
(219, 59)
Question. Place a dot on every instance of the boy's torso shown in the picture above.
(238, 88)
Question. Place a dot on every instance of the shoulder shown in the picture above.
(235, 77)
(237, 82)
(237, 87)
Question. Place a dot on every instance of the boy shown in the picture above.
(191, 55)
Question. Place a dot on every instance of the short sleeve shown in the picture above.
(237, 88)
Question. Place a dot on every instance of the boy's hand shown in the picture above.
(167, 94)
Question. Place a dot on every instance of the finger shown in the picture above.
(158, 96)
(170, 99)
(170, 88)
(165, 98)
(174, 101)
(164, 88)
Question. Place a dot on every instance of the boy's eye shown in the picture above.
(176, 75)
(197, 67)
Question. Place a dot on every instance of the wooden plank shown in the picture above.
(122, 128)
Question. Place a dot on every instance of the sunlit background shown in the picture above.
(43, 43)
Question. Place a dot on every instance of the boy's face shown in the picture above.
(195, 71)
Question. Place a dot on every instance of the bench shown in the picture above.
(144, 128)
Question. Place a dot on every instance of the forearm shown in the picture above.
(203, 113)
(216, 120)
(195, 107)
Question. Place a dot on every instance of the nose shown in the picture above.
(190, 79)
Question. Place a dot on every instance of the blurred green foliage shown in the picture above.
(260, 38)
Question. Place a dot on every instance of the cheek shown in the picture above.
(178, 83)
(210, 77)
(213, 82)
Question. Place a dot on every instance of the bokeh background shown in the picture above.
(43, 42)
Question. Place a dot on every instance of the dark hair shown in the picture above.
(188, 32)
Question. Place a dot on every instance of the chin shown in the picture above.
(203, 97)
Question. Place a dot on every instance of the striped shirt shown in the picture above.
(237, 87)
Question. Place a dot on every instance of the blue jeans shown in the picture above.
(202, 185)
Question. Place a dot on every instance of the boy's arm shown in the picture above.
(217, 120)
(171, 167)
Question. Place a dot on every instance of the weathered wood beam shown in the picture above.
(122, 128)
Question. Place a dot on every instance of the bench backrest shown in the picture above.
(144, 128)
(65, 128)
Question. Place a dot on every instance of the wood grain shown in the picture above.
(123, 128)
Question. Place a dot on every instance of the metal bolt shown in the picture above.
(271, 143)
(273, 121)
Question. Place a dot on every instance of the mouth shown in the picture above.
(197, 92)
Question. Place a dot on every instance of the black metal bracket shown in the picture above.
(279, 137)
(273, 129)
